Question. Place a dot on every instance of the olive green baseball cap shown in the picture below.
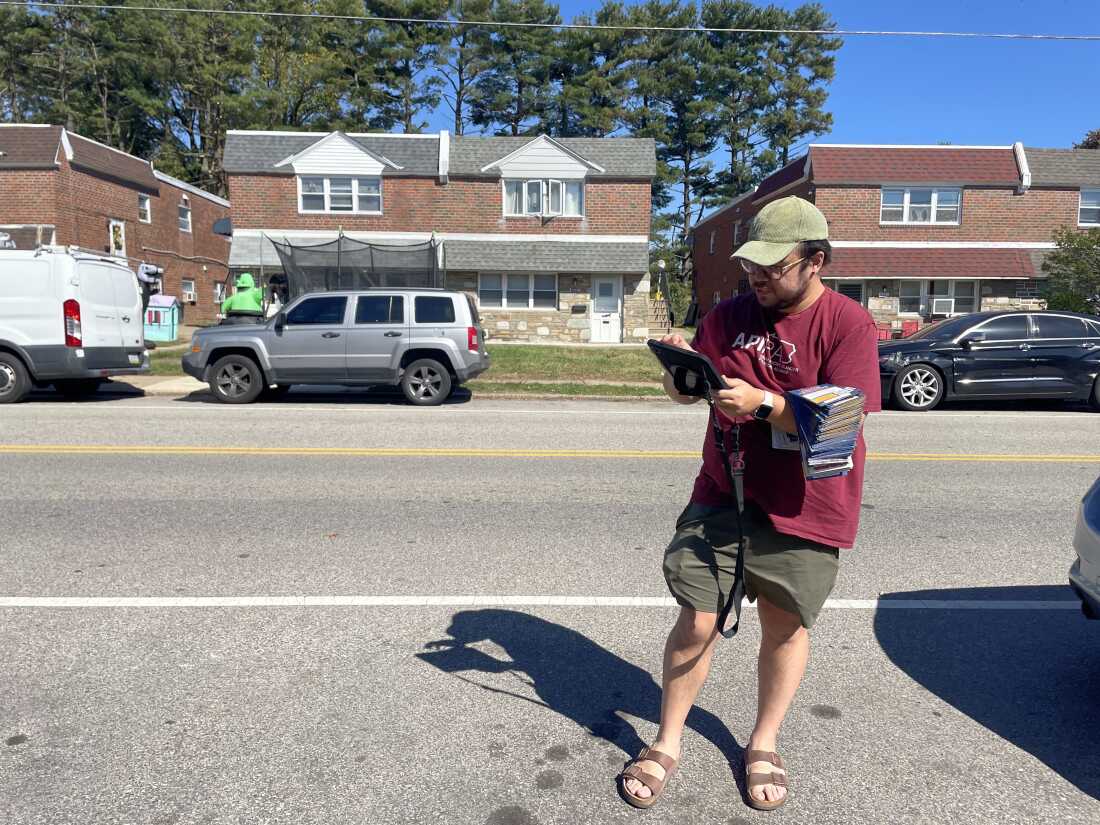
(781, 226)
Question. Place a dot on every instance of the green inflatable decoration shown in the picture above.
(247, 297)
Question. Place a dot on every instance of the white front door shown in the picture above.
(607, 319)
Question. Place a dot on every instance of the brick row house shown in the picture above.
(920, 232)
(57, 187)
(550, 237)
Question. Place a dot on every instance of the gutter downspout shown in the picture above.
(1021, 164)
(444, 155)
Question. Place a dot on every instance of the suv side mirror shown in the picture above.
(280, 321)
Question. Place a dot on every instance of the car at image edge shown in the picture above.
(994, 355)
(1084, 575)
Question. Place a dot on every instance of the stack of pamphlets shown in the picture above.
(828, 419)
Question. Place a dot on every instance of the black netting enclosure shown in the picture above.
(345, 263)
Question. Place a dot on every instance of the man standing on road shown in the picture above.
(789, 332)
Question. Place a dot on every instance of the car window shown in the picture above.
(473, 310)
(1059, 326)
(1094, 330)
(434, 310)
(1006, 328)
(941, 330)
(327, 310)
(380, 309)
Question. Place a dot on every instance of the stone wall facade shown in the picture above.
(570, 320)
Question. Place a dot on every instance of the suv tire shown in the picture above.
(426, 382)
(14, 381)
(236, 379)
(918, 388)
(75, 389)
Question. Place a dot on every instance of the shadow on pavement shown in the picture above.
(333, 395)
(1030, 676)
(570, 674)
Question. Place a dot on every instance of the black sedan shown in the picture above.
(1008, 355)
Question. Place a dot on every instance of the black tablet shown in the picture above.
(696, 371)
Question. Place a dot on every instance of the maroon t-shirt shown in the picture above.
(832, 342)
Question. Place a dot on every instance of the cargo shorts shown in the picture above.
(793, 573)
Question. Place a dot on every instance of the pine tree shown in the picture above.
(464, 60)
(409, 53)
(513, 91)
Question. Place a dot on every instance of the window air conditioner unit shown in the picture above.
(943, 306)
(189, 297)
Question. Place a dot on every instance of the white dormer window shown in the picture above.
(352, 195)
(185, 214)
(1088, 213)
(544, 197)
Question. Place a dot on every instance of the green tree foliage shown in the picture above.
(1091, 141)
(512, 93)
(409, 52)
(1074, 271)
(465, 59)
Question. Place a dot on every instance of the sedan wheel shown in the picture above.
(918, 387)
(426, 382)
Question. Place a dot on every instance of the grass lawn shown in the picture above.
(564, 388)
(542, 363)
(559, 367)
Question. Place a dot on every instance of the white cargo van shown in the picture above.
(68, 317)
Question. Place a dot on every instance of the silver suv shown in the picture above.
(427, 341)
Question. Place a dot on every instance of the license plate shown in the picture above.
(135, 360)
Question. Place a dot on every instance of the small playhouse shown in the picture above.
(162, 318)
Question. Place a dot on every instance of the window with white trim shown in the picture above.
(712, 234)
(1088, 212)
(736, 234)
(920, 205)
(544, 198)
(184, 211)
(219, 292)
(145, 209)
(909, 298)
(517, 291)
(340, 194)
(187, 288)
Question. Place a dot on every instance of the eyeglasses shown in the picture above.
(774, 272)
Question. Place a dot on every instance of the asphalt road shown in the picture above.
(338, 609)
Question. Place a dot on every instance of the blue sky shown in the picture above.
(927, 90)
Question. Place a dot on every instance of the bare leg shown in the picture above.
(784, 651)
(688, 653)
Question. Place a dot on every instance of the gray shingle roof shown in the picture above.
(29, 147)
(619, 157)
(546, 256)
(258, 152)
(526, 256)
(1064, 167)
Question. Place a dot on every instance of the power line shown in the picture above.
(582, 26)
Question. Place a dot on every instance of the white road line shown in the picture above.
(494, 601)
(354, 407)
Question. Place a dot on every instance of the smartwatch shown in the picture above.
(762, 412)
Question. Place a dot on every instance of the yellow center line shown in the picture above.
(444, 452)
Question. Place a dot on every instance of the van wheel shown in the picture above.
(236, 379)
(14, 381)
(77, 388)
(426, 382)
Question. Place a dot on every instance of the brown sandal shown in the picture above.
(756, 780)
(656, 786)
